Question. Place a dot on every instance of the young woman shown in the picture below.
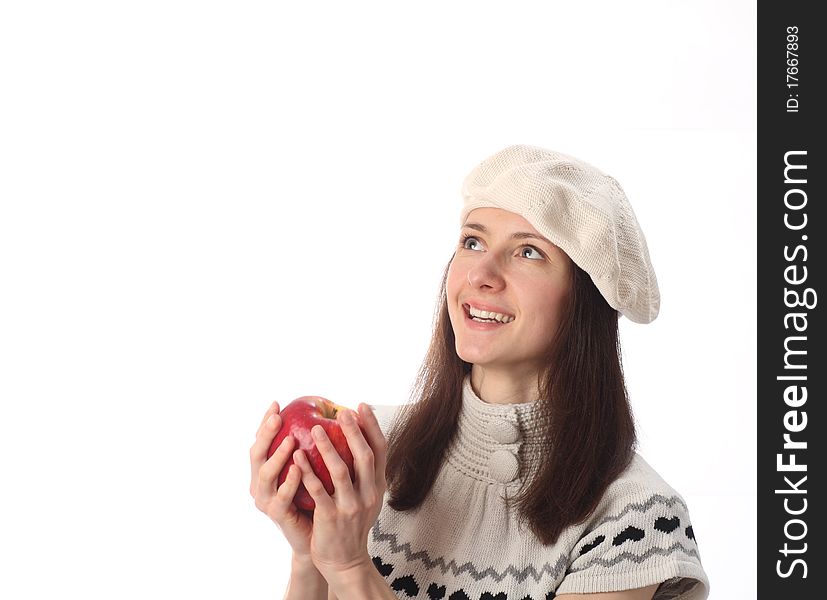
(512, 474)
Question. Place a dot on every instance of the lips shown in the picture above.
(480, 306)
(483, 325)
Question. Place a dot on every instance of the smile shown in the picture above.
(485, 316)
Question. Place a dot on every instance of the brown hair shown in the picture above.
(582, 391)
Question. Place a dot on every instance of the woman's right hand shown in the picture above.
(277, 503)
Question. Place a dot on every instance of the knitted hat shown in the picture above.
(581, 210)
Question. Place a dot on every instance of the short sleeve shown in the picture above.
(641, 535)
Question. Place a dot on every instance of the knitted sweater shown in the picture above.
(463, 543)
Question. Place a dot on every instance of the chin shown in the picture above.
(475, 357)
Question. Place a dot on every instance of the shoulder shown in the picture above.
(639, 503)
(640, 534)
(639, 483)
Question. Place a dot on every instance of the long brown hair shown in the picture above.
(582, 392)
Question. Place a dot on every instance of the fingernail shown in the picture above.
(316, 432)
(271, 421)
(347, 417)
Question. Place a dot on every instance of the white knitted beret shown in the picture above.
(581, 210)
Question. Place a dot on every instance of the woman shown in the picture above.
(512, 474)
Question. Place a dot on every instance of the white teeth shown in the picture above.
(484, 314)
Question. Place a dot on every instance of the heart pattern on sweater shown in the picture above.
(667, 525)
(405, 584)
(408, 585)
(630, 533)
(592, 545)
(384, 569)
(410, 588)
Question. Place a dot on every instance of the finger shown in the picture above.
(287, 490)
(376, 439)
(274, 409)
(269, 471)
(363, 457)
(264, 439)
(339, 473)
(313, 484)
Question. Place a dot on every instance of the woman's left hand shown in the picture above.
(341, 522)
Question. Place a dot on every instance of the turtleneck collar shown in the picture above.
(497, 443)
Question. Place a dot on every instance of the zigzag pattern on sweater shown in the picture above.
(641, 507)
(562, 562)
(638, 558)
(633, 534)
(554, 571)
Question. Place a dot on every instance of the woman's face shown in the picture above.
(503, 265)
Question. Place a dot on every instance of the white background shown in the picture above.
(208, 206)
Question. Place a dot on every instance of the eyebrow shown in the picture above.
(519, 235)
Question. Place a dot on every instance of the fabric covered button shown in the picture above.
(503, 466)
(504, 432)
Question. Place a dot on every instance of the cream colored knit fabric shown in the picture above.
(581, 210)
(464, 544)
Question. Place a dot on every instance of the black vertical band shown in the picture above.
(792, 364)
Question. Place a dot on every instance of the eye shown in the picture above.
(467, 240)
(537, 253)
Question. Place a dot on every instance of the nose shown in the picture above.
(486, 273)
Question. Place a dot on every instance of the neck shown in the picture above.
(498, 386)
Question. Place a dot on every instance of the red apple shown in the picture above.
(297, 419)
